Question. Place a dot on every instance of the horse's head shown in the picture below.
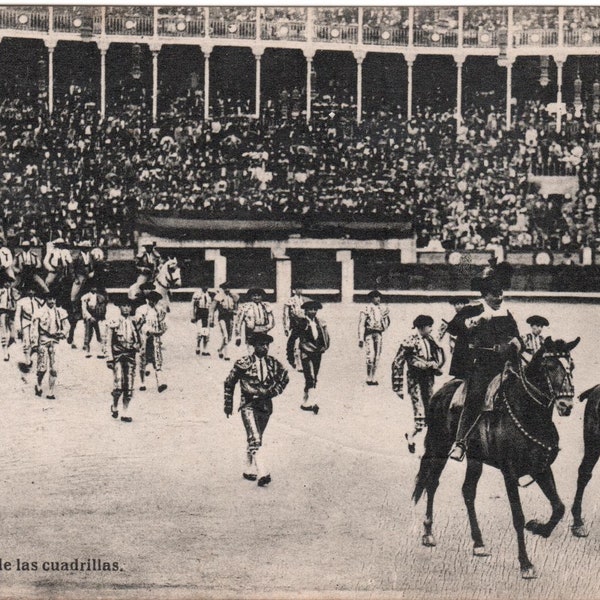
(170, 274)
(554, 367)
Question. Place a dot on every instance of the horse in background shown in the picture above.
(591, 443)
(168, 277)
(518, 437)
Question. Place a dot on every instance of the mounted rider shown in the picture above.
(490, 336)
(148, 261)
(6, 257)
(83, 268)
(28, 266)
(57, 260)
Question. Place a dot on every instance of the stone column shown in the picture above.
(410, 61)
(155, 48)
(258, 52)
(51, 45)
(220, 269)
(206, 50)
(359, 55)
(459, 67)
(283, 274)
(309, 55)
(559, 81)
(508, 94)
(103, 46)
(347, 291)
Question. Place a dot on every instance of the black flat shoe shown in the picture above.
(411, 445)
(264, 480)
(51, 397)
(126, 419)
(38, 391)
(249, 476)
(162, 387)
(114, 413)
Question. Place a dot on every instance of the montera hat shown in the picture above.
(260, 338)
(374, 294)
(422, 321)
(312, 304)
(459, 300)
(538, 320)
(256, 292)
(153, 296)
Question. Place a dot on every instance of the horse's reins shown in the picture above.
(534, 393)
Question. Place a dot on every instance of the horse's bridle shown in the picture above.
(169, 279)
(534, 392)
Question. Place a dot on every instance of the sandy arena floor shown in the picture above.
(164, 496)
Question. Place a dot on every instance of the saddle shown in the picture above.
(458, 399)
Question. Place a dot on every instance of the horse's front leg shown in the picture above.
(546, 482)
(590, 458)
(512, 490)
(469, 491)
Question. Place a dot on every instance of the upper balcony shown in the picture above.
(520, 28)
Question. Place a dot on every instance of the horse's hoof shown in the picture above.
(538, 528)
(481, 551)
(429, 541)
(529, 573)
(580, 531)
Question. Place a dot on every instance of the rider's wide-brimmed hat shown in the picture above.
(495, 278)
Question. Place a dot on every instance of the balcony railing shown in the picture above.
(481, 38)
(385, 36)
(535, 37)
(443, 39)
(181, 26)
(582, 37)
(245, 30)
(336, 33)
(88, 21)
(24, 20)
(119, 25)
(83, 24)
(286, 30)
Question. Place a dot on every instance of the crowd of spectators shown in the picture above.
(69, 174)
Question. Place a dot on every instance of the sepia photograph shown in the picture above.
(299, 302)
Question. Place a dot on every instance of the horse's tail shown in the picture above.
(438, 440)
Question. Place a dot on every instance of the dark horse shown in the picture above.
(518, 437)
(591, 442)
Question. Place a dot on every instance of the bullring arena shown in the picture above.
(351, 149)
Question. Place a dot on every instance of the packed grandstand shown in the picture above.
(465, 179)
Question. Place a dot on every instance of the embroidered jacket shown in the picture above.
(259, 379)
(151, 320)
(200, 301)
(373, 318)
(292, 311)
(223, 303)
(313, 335)
(533, 342)
(417, 352)
(49, 325)
(255, 317)
(124, 337)
(26, 309)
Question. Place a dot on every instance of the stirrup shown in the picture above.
(458, 451)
